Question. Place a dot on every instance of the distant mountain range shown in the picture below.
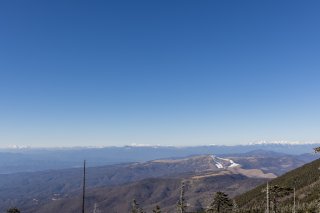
(37, 159)
(152, 182)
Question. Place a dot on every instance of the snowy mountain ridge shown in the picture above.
(262, 142)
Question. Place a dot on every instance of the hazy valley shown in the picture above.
(154, 182)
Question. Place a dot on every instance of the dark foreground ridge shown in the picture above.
(304, 180)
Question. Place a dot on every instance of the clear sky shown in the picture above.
(77, 73)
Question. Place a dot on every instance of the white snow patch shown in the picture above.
(233, 164)
(219, 165)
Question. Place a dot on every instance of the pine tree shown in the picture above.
(316, 149)
(181, 206)
(13, 210)
(135, 207)
(276, 192)
(220, 204)
(157, 209)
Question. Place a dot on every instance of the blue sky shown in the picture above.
(78, 73)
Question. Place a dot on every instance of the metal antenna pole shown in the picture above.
(84, 185)
(267, 197)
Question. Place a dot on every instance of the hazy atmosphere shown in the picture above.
(113, 73)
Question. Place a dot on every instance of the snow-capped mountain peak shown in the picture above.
(262, 142)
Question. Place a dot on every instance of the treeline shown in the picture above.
(275, 201)
(220, 203)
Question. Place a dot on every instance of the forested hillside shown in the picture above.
(304, 180)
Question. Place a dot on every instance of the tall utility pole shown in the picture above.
(294, 199)
(84, 185)
(267, 198)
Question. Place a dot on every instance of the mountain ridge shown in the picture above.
(39, 188)
(29, 160)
